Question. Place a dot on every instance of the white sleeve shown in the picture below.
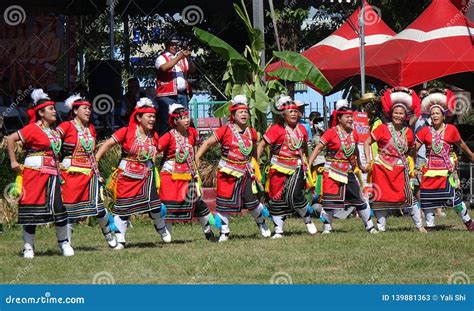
(160, 60)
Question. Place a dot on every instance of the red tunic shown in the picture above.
(233, 167)
(36, 193)
(337, 164)
(136, 191)
(230, 150)
(390, 187)
(285, 160)
(175, 177)
(436, 162)
(80, 191)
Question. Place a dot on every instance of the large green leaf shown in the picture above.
(261, 99)
(221, 47)
(304, 71)
(222, 111)
(257, 42)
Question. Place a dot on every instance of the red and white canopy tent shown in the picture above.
(439, 43)
(344, 43)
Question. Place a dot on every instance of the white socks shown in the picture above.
(381, 216)
(278, 221)
(121, 227)
(204, 221)
(257, 214)
(225, 222)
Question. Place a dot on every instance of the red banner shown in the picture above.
(361, 125)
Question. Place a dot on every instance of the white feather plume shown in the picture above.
(144, 102)
(434, 99)
(174, 107)
(71, 99)
(38, 94)
(342, 103)
(402, 98)
(239, 99)
(283, 100)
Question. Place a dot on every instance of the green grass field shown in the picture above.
(350, 255)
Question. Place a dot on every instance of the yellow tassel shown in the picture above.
(267, 179)
(157, 179)
(254, 187)
(112, 183)
(256, 169)
(17, 187)
(358, 174)
(411, 166)
(371, 169)
(199, 186)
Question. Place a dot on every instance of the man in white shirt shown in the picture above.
(172, 68)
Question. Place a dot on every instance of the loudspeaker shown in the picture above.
(104, 77)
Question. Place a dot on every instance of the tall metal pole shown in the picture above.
(258, 22)
(362, 47)
(111, 34)
(325, 113)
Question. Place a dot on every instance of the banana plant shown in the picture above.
(301, 70)
(245, 75)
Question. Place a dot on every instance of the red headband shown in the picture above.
(32, 111)
(133, 123)
(81, 103)
(235, 108)
(335, 113)
(176, 115)
(289, 107)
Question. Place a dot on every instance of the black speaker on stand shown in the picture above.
(105, 90)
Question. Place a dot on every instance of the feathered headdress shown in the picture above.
(172, 115)
(340, 104)
(441, 98)
(401, 97)
(238, 102)
(144, 105)
(38, 95)
(285, 102)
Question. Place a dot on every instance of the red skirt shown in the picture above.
(433, 183)
(180, 199)
(135, 196)
(234, 194)
(81, 194)
(41, 201)
(389, 187)
(277, 182)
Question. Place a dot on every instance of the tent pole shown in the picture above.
(325, 112)
(362, 47)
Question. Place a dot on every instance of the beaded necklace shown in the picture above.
(181, 147)
(85, 137)
(242, 147)
(437, 140)
(54, 138)
(144, 153)
(346, 139)
(400, 145)
(295, 137)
